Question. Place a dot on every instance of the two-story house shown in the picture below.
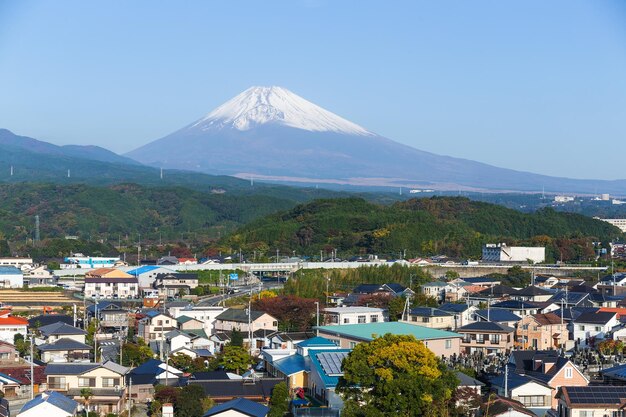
(110, 283)
(173, 284)
(352, 315)
(486, 337)
(430, 317)
(463, 313)
(233, 318)
(61, 342)
(588, 328)
(541, 332)
(105, 380)
(155, 325)
(10, 326)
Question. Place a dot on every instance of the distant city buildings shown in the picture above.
(621, 223)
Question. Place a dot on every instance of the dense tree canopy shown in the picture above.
(395, 376)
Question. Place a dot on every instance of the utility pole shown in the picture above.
(32, 370)
(317, 318)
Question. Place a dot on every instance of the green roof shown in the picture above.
(369, 331)
(184, 319)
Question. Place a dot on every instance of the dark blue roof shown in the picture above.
(486, 326)
(72, 368)
(429, 312)
(242, 405)
(498, 315)
(475, 280)
(571, 313)
(367, 288)
(52, 397)
(453, 307)
(63, 344)
(514, 305)
(617, 372)
(150, 367)
(60, 328)
(514, 380)
(329, 381)
(395, 287)
(571, 298)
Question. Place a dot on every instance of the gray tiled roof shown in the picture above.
(63, 344)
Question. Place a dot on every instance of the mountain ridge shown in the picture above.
(249, 141)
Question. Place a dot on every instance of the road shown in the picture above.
(242, 290)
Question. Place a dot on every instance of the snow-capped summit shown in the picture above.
(275, 105)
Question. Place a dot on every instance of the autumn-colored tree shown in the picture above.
(293, 313)
(395, 375)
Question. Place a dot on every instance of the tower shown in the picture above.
(37, 236)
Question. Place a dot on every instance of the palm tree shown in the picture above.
(86, 393)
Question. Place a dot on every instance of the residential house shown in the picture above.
(533, 394)
(520, 308)
(534, 294)
(363, 291)
(548, 368)
(436, 290)
(288, 340)
(154, 325)
(189, 323)
(567, 299)
(64, 350)
(463, 313)
(9, 386)
(238, 319)
(8, 354)
(11, 326)
(174, 284)
(442, 343)
(205, 314)
(239, 407)
(486, 337)
(430, 317)
(541, 331)
(592, 327)
(111, 316)
(592, 400)
(40, 277)
(49, 404)
(59, 330)
(498, 315)
(110, 283)
(352, 315)
(324, 375)
(21, 372)
(146, 275)
(506, 407)
(106, 381)
(482, 281)
(142, 379)
(11, 277)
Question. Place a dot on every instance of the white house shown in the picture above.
(10, 326)
(354, 315)
(49, 404)
(593, 326)
(206, 314)
(502, 253)
(11, 277)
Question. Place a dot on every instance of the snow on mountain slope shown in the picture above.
(275, 105)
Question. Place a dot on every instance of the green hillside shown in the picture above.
(453, 226)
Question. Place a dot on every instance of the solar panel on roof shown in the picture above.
(331, 362)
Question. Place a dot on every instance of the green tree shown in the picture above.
(189, 402)
(86, 393)
(395, 376)
(236, 338)
(234, 358)
(279, 404)
(135, 354)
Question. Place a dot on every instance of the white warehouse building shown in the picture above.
(11, 277)
(502, 253)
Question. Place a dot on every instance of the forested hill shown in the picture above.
(453, 226)
(95, 213)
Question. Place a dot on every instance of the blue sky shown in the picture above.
(530, 85)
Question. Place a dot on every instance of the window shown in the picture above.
(425, 319)
(352, 345)
(413, 318)
(110, 382)
(495, 338)
(86, 382)
(373, 318)
(448, 344)
(533, 400)
(569, 372)
(598, 329)
(346, 321)
(581, 328)
(57, 382)
(361, 319)
(585, 413)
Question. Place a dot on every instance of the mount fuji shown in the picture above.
(271, 133)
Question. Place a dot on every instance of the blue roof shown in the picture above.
(316, 341)
(514, 380)
(328, 380)
(291, 364)
(144, 269)
(9, 378)
(617, 372)
(514, 305)
(52, 397)
(474, 280)
(498, 315)
(9, 270)
(150, 367)
(242, 405)
(454, 307)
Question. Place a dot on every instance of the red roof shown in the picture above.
(12, 320)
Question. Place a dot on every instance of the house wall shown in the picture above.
(205, 315)
(107, 289)
(530, 334)
(559, 380)
(583, 331)
(72, 381)
(470, 343)
(77, 337)
(333, 318)
(11, 280)
(8, 332)
(155, 328)
(264, 322)
(533, 391)
(438, 322)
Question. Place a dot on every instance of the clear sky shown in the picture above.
(530, 85)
